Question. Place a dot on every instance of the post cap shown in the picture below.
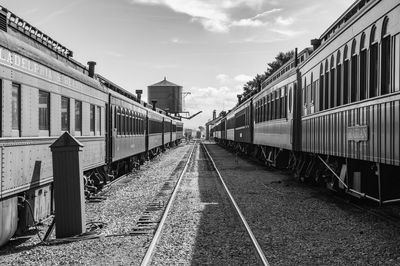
(65, 140)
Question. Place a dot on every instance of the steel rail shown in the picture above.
(260, 252)
(150, 251)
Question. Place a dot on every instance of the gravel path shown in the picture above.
(122, 208)
(296, 224)
(203, 228)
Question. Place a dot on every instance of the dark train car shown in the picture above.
(351, 103)
(179, 130)
(154, 129)
(173, 137)
(127, 124)
(43, 94)
(244, 122)
(230, 126)
(167, 130)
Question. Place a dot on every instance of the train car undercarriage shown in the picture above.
(361, 179)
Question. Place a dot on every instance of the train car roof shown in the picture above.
(22, 48)
(356, 8)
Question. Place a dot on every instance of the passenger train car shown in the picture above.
(44, 92)
(332, 113)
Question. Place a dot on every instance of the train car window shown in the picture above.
(118, 121)
(332, 86)
(78, 116)
(386, 58)
(64, 114)
(373, 64)
(282, 102)
(124, 126)
(285, 102)
(278, 104)
(264, 108)
(92, 117)
(304, 91)
(353, 77)
(98, 121)
(397, 63)
(257, 112)
(363, 68)
(44, 112)
(270, 109)
(1, 105)
(345, 91)
(136, 124)
(326, 89)
(312, 82)
(338, 80)
(321, 88)
(16, 106)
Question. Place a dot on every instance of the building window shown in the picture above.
(64, 114)
(16, 106)
(78, 116)
(44, 112)
(98, 120)
(92, 117)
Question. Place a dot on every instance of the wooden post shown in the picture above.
(68, 186)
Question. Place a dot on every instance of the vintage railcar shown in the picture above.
(44, 92)
(344, 128)
(350, 115)
(39, 94)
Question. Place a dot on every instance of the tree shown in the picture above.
(256, 83)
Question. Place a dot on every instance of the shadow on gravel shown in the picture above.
(220, 239)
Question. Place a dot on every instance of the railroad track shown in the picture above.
(153, 245)
(150, 251)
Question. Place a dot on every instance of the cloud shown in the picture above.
(223, 78)
(215, 16)
(284, 22)
(243, 78)
(288, 33)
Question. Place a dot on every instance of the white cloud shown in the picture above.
(214, 15)
(288, 33)
(223, 78)
(243, 78)
(284, 21)
(248, 22)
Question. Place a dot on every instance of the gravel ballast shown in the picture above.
(203, 227)
(297, 224)
(120, 211)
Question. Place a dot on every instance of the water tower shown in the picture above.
(168, 96)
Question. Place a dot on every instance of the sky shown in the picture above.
(210, 47)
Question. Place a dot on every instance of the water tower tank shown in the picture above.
(167, 94)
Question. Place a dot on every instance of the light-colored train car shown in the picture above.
(351, 87)
(43, 95)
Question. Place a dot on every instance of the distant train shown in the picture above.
(332, 113)
(44, 92)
